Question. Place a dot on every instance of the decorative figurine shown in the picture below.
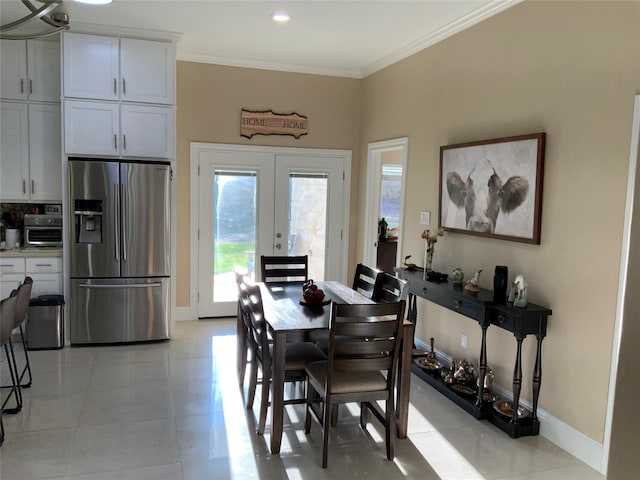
(518, 293)
(472, 285)
(458, 276)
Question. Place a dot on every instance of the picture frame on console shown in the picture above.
(493, 188)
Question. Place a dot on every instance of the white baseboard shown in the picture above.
(566, 437)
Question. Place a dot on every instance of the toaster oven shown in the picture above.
(42, 230)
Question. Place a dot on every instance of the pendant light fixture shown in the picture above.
(53, 13)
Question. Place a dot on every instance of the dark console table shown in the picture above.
(530, 320)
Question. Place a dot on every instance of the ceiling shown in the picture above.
(342, 38)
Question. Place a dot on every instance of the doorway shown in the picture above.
(256, 201)
(386, 179)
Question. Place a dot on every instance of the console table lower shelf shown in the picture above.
(523, 426)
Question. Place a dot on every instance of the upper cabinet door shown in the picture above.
(14, 151)
(13, 74)
(148, 131)
(91, 128)
(45, 152)
(90, 64)
(147, 71)
(43, 60)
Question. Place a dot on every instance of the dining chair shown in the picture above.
(284, 268)
(297, 356)
(361, 366)
(7, 316)
(364, 279)
(389, 288)
(23, 294)
(248, 349)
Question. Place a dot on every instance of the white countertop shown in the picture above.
(32, 252)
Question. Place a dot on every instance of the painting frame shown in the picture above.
(493, 188)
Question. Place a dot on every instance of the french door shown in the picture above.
(262, 201)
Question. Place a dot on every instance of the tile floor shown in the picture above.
(173, 410)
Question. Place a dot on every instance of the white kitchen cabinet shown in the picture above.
(46, 273)
(45, 153)
(109, 68)
(30, 152)
(30, 70)
(91, 128)
(104, 128)
(14, 150)
(147, 131)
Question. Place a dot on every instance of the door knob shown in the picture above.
(278, 246)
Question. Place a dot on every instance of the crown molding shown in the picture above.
(478, 15)
(234, 62)
(141, 33)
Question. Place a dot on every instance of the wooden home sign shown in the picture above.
(270, 123)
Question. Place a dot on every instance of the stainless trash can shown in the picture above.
(45, 323)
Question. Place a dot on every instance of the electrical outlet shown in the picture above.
(463, 340)
(425, 218)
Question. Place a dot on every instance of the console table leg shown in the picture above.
(412, 316)
(537, 378)
(517, 380)
(482, 367)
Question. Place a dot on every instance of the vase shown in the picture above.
(428, 258)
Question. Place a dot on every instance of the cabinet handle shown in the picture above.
(501, 318)
(22, 85)
(124, 141)
(24, 186)
(124, 86)
(115, 86)
(457, 303)
(44, 265)
(115, 142)
(33, 187)
(30, 86)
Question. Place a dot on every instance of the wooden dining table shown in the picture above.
(291, 321)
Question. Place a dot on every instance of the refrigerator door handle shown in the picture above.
(116, 230)
(124, 222)
(120, 285)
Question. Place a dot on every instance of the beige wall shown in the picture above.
(209, 99)
(570, 69)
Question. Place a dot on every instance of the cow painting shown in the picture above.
(483, 195)
(490, 188)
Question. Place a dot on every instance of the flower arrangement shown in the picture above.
(431, 242)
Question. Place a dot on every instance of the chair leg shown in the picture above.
(390, 428)
(364, 415)
(15, 383)
(326, 426)
(253, 380)
(264, 402)
(27, 368)
(309, 405)
(1, 430)
(243, 366)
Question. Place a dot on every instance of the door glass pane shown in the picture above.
(234, 230)
(308, 219)
(390, 196)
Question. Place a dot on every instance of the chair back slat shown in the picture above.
(284, 268)
(7, 316)
(365, 338)
(389, 288)
(364, 279)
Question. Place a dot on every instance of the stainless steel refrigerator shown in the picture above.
(119, 250)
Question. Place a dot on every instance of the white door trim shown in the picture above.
(634, 158)
(196, 148)
(374, 158)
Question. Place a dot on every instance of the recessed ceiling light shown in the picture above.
(280, 17)
(94, 2)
